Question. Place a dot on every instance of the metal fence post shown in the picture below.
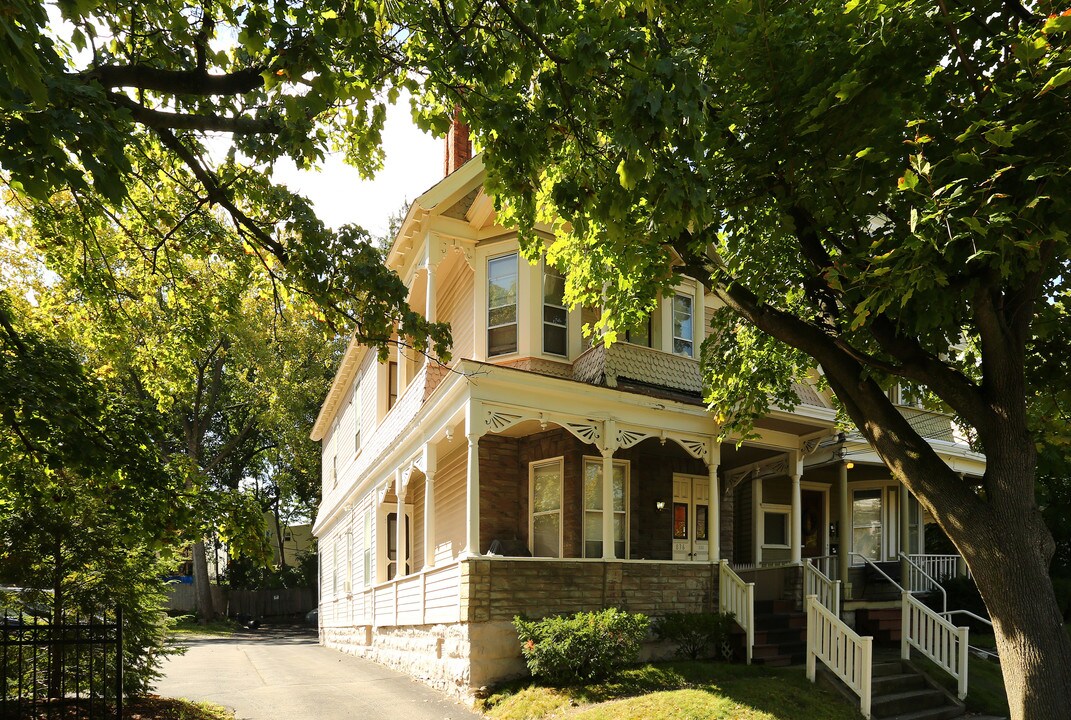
(119, 662)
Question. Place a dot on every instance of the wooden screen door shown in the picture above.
(691, 524)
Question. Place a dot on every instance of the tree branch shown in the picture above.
(157, 119)
(175, 82)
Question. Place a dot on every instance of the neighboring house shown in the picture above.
(297, 540)
(537, 474)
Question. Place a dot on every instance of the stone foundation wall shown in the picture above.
(501, 588)
(457, 658)
(462, 658)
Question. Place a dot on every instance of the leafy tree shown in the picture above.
(237, 373)
(880, 188)
(101, 102)
(89, 506)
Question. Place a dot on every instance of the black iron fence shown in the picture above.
(68, 669)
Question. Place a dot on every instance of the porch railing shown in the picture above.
(827, 564)
(920, 581)
(738, 597)
(847, 654)
(936, 638)
(817, 583)
(938, 567)
(428, 596)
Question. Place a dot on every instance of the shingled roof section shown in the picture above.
(634, 367)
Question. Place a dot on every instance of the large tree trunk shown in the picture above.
(206, 610)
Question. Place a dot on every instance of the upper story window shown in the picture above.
(355, 403)
(640, 334)
(502, 305)
(392, 384)
(682, 325)
(555, 316)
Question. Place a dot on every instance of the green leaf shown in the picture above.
(909, 181)
(1060, 78)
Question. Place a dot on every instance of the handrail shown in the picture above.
(991, 654)
(828, 562)
(817, 583)
(884, 574)
(738, 597)
(936, 638)
(847, 654)
(944, 595)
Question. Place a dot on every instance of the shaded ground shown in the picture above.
(284, 674)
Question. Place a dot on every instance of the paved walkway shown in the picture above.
(285, 675)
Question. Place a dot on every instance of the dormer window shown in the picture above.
(682, 325)
(502, 305)
(555, 327)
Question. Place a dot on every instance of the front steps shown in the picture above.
(780, 634)
(900, 692)
(882, 623)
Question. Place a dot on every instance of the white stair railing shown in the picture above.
(936, 638)
(846, 653)
(940, 567)
(816, 583)
(920, 581)
(738, 597)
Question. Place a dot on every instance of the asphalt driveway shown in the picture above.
(283, 674)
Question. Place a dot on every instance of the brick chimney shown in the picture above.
(458, 148)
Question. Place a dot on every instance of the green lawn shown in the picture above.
(678, 691)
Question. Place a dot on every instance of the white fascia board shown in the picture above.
(351, 361)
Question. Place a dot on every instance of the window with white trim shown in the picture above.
(593, 507)
(775, 527)
(682, 325)
(367, 565)
(502, 305)
(555, 315)
(355, 405)
(545, 501)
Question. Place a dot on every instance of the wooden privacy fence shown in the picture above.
(256, 603)
(270, 603)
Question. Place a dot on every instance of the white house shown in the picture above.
(458, 496)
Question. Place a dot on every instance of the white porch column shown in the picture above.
(429, 300)
(904, 533)
(797, 521)
(714, 509)
(608, 550)
(760, 528)
(844, 521)
(473, 432)
(431, 460)
(403, 551)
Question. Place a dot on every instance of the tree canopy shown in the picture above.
(103, 102)
(878, 188)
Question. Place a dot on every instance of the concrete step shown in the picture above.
(902, 682)
(780, 635)
(774, 607)
(887, 667)
(898, 703)
(780, 621)
(940, 713)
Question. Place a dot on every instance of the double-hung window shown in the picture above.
(502, 305)
(682, 325)
(555, 327)
(367, 564)
(355, 403)
(546, 504)
(593, 507)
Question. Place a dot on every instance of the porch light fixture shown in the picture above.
(850, 464)
(660, 505)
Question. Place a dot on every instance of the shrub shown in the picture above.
(696, 634)
(585, 647)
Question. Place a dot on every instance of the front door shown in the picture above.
(691, 524)
(813, 522)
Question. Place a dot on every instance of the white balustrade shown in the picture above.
(738, 597)
(846, 653)
(936, 638)
(817, 583)
(428, 596)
